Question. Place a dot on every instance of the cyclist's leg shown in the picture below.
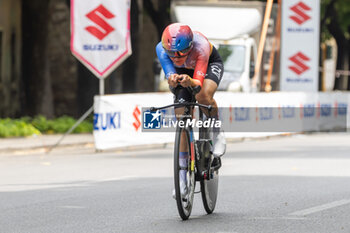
(210, 84)
(182, 95)
(206, 96)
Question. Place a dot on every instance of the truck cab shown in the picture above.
(239, 57)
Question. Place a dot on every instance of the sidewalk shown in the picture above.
(43, 142)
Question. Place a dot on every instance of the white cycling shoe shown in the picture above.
(183, 190)
(219, 144)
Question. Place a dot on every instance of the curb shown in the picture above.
(43, 149)
(47, 149)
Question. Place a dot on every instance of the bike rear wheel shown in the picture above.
(209, 188)
(184, 203)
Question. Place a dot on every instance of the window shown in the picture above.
(233, 57)
(252, 62)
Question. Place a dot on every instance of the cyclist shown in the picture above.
(189, 59)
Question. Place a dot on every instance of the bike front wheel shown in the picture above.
(184, 145)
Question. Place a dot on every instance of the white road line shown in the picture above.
(117, 178)
(320, 208)
(72, 207)
(277, 218)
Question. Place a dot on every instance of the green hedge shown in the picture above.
(27, 126)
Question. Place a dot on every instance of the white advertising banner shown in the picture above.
(300, 45)
(100, 33)
(119, 120)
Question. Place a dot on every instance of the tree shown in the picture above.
(159, 12)
(129, 73)
(54, 83)
(160, 15)
(37, 98)
(336, 22)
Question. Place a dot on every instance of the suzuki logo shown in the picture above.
(299, 60)
(299, 9)
(137, 122)
(95, 16)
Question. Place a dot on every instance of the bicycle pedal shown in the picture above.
(216, 163)
(206, 175)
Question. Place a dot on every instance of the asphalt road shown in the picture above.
(283, 184)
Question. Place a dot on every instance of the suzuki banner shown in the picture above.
(126, 120)
(300, 45)
(100, 33)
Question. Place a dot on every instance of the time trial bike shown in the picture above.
(201, 166)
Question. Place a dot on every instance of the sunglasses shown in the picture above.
(178, 54)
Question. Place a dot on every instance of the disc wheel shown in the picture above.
(209, 188)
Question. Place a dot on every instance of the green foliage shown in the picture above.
(84, 127)
(343, 16)
(27, 126)
(343, 11)
(41, 123)
(16, 128)
(225, 52)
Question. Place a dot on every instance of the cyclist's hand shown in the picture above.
(196, 83)
(185, 80)
(172, 80)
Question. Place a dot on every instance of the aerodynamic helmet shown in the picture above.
(177, 40)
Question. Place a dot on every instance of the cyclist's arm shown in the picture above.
(200, 69)
(165, 61)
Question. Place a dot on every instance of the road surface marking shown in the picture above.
(320, 208)
(46, 163)
(118, 178)
(277, 217)
(72, 207)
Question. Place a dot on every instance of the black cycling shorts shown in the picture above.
(215, 68)
(182, 94)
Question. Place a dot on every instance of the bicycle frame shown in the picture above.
(200, 162)
(202, 173)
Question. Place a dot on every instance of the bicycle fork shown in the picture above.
(192, 150)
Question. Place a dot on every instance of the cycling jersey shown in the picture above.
(197, 59)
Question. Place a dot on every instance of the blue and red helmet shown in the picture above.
(177, 39)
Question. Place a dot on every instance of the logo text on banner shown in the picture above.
(96, 18)
(107, 121)
(300, 15)
(299, 60)
(136, 114)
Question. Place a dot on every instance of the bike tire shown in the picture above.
(209, 188)
(209, 191)
(184, 207)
